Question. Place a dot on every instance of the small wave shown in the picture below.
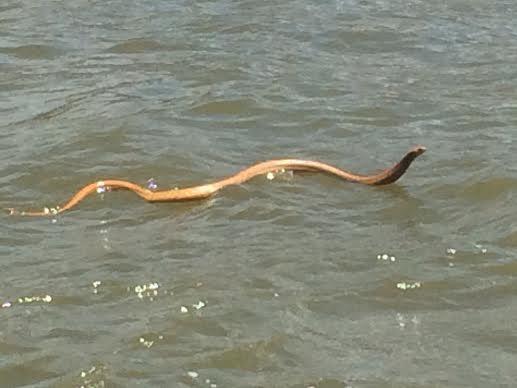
(489, 189)
(134, 46)
(28, 372)
(226, 107)
(32, 51)
(254, 356)
(484, 190)
(509, 240)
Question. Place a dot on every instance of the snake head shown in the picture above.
(418, 150)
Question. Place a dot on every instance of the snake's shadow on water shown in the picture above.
(397, 192)
(404, 209)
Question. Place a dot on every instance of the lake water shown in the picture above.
(300, 281)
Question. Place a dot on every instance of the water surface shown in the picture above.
(294, 282)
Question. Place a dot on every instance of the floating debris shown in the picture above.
(210, 383)
(101, 188)
(451, 251)
(32, 299)
(92, 378)
(403, 321)
(146, 343)
(199, 305)
(92, 369)
(28, 299)
(151, 184)
(193, 374)
(479, 246)
(281, 171)
(408, 286)
(184, 309)
(150, 290)
(95, 285)
(386, 257)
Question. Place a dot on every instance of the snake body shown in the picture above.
(384, 177)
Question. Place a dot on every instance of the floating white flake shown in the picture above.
(147, 344)
(100, 187)
(386, 257)
(31, 299)
(451, 251)
(149, 290)
(408, 286)
(199, 305)
(479, 246)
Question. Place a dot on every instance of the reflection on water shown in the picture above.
(289, 280)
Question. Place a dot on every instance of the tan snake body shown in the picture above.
(384, 177)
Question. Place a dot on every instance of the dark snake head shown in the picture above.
(394, 173)
(417, 150)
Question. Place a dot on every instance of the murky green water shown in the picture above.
(292, 282)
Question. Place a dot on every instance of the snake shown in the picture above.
(383, 177)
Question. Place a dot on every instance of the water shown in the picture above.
(275, 283)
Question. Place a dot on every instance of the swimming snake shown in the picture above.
(384, 177)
